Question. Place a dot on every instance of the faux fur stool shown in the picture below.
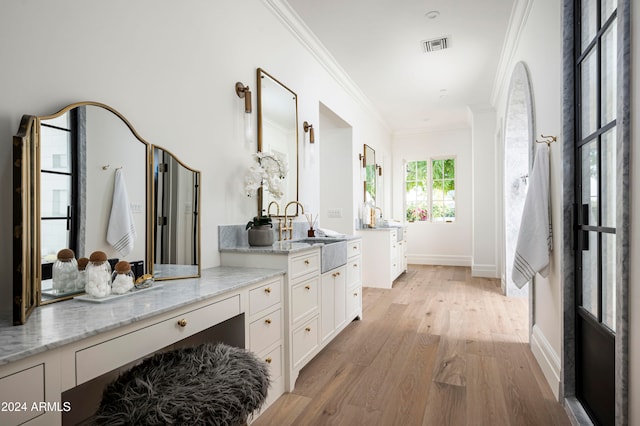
(210, 384)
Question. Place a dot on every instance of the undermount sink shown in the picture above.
(333, 251)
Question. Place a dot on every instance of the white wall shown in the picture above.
(538, 43)
(170, 68)
(437, 243)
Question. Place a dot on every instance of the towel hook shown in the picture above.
(549, 139)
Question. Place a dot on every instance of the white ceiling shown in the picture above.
(378, 43)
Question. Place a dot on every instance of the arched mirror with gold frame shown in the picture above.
(64, 173)
(278, 133)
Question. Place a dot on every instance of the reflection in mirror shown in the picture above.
(369, 164)
(278, 133)
(176, 190)
(81, 148)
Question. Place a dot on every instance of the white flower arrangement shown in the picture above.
(268, 172)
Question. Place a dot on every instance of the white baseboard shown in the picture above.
(439, 260)
(486, 271)
(547, 358)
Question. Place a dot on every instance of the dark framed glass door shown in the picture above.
(595, 192)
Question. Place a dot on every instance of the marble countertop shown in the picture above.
(284, 247)
(54, 325)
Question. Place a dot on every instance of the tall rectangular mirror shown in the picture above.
(278, 133)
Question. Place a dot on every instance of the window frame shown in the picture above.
(429, 181)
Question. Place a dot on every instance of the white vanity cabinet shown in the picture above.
(384, 255)
(47, 359)
(301, 301)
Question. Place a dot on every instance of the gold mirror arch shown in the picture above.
(108, 142)
(278, 132)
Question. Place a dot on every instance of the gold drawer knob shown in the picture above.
(337, 274)
(182, 322)
(267, 321)
(267, 290)
(306, 261)
(308, 329)
(307, 287)
(355, 247)
(268, 360)
(355, 294)
(355, 265)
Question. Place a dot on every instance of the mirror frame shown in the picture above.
(27, 274)
(260, 73)
(368, 161)
(152, 247)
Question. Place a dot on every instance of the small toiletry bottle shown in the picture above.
(82, 273)
(122, 278)
(65, 271)
(98, 275)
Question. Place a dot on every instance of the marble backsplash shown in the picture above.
(234, 236)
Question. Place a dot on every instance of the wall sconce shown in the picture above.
(243, 92)
(308, 128)
(379, 167)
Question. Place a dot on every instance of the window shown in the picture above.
(430, 190)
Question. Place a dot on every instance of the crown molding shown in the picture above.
(292, 21)
(517, 20)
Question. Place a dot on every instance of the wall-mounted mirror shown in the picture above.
(176, 196)
(278, 133)
(369, 165)
(65, 168)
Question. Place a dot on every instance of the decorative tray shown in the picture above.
(88, 298)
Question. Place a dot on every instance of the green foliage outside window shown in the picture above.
(430, 199)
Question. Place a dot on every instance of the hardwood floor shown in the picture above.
(440, 348)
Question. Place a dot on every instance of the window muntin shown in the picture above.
(430, 190)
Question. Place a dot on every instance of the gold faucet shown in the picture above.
(288, 227)
(277, 208)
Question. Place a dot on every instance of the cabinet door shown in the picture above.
(340, 301)
(327, 306)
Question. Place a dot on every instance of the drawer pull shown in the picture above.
(355, 265)
(355, 294)
(307, 287)
(267, 321)
(355, 247)
(267, 290)
(268, 360)
(307, 329)
(182, 322)
(306, 261)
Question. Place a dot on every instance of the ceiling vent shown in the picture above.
(436, 44)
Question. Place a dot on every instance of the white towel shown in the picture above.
(121, 233)
(534, 237)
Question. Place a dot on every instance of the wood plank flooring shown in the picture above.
(440, 348)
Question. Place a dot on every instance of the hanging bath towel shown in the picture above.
(121, 232)
(534, 237)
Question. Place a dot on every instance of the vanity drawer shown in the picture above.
(304, 264)
(273, 359)
(354, 248)
(304, 299)
(18, 392)
(305, 340)
(264, 296)
(106, 356)
(354, 301)
(265, 331)
(353, 271)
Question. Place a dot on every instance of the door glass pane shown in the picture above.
(590, 182)
(589, 110)
(53, 236)
(609, 280)
(55, 154)
(590, 275)
(609, 72)
(608, 148)
(588, 22)
(608, 6)
(55, 195)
